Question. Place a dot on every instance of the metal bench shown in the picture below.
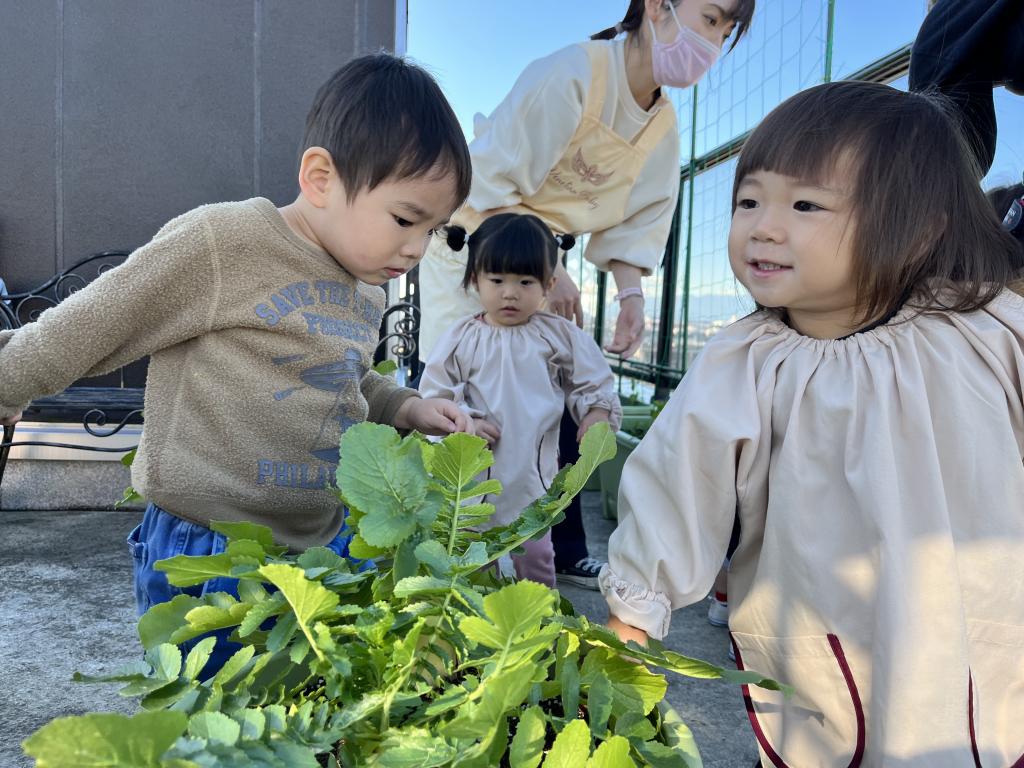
(117, 398)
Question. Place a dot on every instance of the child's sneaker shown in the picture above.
(718, 611)
(583, 574)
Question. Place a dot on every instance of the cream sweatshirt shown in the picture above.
(261, 348)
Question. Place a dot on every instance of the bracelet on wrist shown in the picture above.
(625, 293)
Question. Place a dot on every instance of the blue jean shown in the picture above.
(161, 535)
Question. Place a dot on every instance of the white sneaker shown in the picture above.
(718, 612)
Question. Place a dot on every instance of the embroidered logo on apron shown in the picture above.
(588, 173)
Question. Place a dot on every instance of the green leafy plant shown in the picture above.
(428, 658)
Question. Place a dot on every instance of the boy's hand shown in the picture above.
(10, 421)
(626, 632)
(432, 416)
(593, 416)
(489, 432)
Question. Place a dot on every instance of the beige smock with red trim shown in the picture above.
(879, 484)
(570, 145)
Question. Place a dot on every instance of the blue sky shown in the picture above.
(476, 49)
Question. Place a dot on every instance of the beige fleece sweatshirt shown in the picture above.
(261, 347)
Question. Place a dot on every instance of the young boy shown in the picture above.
(262, 322)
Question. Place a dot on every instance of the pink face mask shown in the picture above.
(684, 61)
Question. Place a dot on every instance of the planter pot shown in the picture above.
(633, 417)
(611, 470)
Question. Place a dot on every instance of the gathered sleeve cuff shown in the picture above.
(384, 396)
(681, 489)
(588, 379)
(636, 605)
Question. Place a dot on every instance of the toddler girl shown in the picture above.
(867, 425)
(514, 368)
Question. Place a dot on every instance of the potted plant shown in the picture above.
(427, 658)
(634, 426)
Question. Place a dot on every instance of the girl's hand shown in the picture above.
(626, 632)
(629, 328)
(593, 416)
(432, 416)
(564, 297)
(486, 430)
(10, 421)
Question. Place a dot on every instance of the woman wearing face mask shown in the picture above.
(587, 141)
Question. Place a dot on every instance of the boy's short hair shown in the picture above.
(381, 117)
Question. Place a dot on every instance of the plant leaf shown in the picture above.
(613, 753)
(571, 748)
(512, 612)
(459, 458)
(412, 748)
(384, 477)
(635, 688)
(108, 740)
(599, 704)
(216, 727)
(433, 555)
(528, 743)
(679, 737)
(261, 534)
(422, 585)
(308, 599)
(163, 620)
(260, 612)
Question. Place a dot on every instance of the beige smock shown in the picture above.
(880, 570)
(571, 145)
(521, 378)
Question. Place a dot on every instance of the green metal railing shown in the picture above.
(678, 257)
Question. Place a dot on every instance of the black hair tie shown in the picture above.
(456, 237)
(565, 242)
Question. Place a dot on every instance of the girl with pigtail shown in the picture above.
(587, 141)
(514, 368)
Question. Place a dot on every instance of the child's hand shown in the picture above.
(626, 632)
(593, 416)
(432, 416)
(10, 421)
(486, 430)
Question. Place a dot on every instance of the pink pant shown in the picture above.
(538, 562)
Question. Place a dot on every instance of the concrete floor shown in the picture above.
(67, 606)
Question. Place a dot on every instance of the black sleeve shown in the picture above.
(964, 49)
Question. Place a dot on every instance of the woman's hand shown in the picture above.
(432, 416)
(630, 325)
(626, 632)
(629, 328)
(593, 416)
(564, 297)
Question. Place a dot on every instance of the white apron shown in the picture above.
(586, 191)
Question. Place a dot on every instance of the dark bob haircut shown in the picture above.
(922, 224)
(507, 243)
(381, 117)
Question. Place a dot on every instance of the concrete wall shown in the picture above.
(117, 115)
